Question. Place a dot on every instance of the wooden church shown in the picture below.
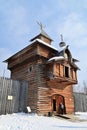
(50, 73)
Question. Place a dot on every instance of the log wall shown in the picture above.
(32, 68)
(46, 40)
(46, 89)
(58, 70)
(43, 51)
(28, 72)
(21, 57)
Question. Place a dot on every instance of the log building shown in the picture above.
(50, 74)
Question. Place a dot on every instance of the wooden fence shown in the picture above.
(13, 95)
(80, 102)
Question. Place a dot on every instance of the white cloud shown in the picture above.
(73, 28)
(17, 21)
(16, 27)
(65, 16)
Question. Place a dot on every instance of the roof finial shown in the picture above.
(41, 26)
(61, 37)
(62, 43)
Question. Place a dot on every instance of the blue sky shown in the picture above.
(18, 25)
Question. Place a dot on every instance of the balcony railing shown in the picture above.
(65, 80)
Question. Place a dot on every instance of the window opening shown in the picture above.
(66, 71)
(30, 68)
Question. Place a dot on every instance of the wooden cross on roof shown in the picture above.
(41, 25)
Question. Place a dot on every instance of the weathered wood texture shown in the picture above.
(56, 71)
(80, 102)
(66, 92)
(31, 65)
(46, 89)
(45, 51)
(45, 39)
(13, 95)
(30, 53)
(28, 72)
(23, 56)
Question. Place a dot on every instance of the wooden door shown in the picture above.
(56, 100)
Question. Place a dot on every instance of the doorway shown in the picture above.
(54, 104)
(56, 101)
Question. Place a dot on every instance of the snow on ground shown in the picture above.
(82, 115)
(22, 121)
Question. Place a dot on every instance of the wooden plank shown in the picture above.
(13, 95)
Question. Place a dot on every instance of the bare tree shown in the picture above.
(85, 87)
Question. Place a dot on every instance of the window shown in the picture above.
(30, 68)
(66, 71)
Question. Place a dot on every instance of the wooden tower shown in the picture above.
(50, 74)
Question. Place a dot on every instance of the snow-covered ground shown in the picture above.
(22, 121)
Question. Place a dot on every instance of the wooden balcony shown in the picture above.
(61, 74)
(61, 80)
